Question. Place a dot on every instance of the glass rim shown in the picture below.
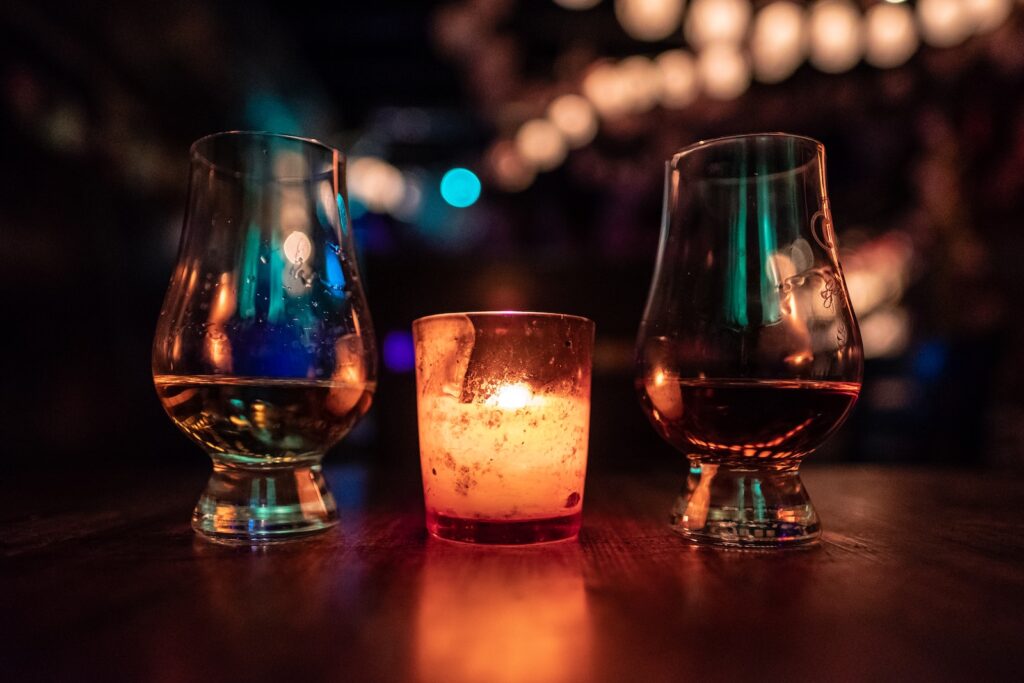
(195, 153)
(505, 314)
(716, 142)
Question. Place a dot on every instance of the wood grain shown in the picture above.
(920, 575)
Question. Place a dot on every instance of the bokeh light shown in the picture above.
(642, 83)
(724, 71)
(890, 35)
(607, 90)
(460, 187)
(293, 213)
(297, 247)
(877, 274)
(507, 168)
(778, 44)
(649, 20)
(376, 183)
(289, 163)
(398, 352)
(837, 41)
(575, 117)
(409, 209)
(885, 333)
(716, 21)
(987, 15)
(944, 23)
(540, 143)
(679, 83)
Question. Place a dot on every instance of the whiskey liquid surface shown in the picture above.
(737, 420)
(260, 420)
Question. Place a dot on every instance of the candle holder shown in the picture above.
(504, 412)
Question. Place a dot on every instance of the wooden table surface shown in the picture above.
(920, 576)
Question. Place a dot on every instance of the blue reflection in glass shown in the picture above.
(334, 278)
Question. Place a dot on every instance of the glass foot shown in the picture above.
(247, 505)
(503, 532)
(745, 508)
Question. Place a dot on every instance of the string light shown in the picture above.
(679, 83)
(540, 143)
(890, 35)
(717, 21)
(575, 118)
(987, 15)
(836, 36)
(510, 172)
(944, 23)
(778, 43)
(641, 83)
(832, 34)
(649, 20)
(724, 71)
(606, 90)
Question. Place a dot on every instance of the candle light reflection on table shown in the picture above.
(502, 618)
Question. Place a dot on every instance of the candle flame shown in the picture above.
(511, 397)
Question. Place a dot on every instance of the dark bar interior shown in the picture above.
(510, 155)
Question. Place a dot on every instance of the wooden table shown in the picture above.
(920, 576)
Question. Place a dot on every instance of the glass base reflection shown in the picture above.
(504, 532)
(264, 505)
(745, 508)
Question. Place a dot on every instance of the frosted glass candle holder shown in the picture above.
(504, 414)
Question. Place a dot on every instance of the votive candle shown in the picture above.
(504, 410)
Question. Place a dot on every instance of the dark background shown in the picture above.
(100, 101)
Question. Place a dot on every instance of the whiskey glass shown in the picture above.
(748, 354)
(264, 353)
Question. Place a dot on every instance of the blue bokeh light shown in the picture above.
(460, 187)
(930, 360)
(399, 355)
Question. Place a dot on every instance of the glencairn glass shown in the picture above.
(748, 355)
(264, 353)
